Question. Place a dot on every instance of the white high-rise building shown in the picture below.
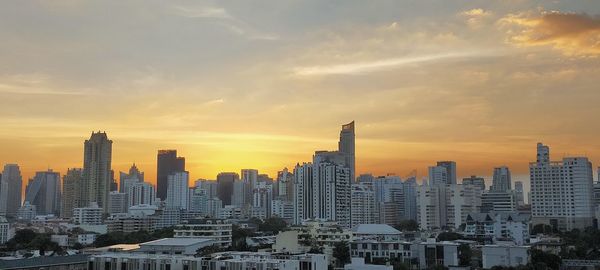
(177, 191)
(450, 167)
(140, 193)
(198, 201)
(91, 215)
(10, 190)
(561, 191)
(285, 185)
(44, 192)
(431, 206)
(501, 181)
(499, 201)
(363, 205)
(303, 193)
(117, 202)
(520, 193)
(262, 195)
(462, 200)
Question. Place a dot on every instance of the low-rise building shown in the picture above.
(4, 230)
(379, 241)
(431, 253)
(504, 255)
(175, 246)
(70, 262)
(91, 215)
(129, 223)
(491, 227)
(219, 230)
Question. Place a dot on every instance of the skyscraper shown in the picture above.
(363, 205)
(127, 179)
(140, 193)
(71, 193)
(346, 146)
(44, 192)
(476, 181)
(177, 191)
(167, 163)
(97, 173)
(501, 181)
(438, 175)
(225, 182)
(450, 170)
(10, 190)
(561, 191)
(519, 193)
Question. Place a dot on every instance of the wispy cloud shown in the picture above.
(377, 65)
(202, 12)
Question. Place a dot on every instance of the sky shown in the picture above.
(263, 84)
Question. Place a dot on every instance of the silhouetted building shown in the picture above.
(225, 182)
(450, 169)
(44, 191)
(71, 192)
(501, 181)
(167, 163)
(346, 146)
(476, 181)
(10, 190)
(97, 173)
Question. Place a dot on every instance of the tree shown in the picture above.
(539, 257)
(205, 251)
(341, 253)
(407, 225)
(272, 224)
(448, 236)
(464, 255)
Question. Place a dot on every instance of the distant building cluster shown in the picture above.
(323, 201)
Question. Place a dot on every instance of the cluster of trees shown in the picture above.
(408, 225)
(114, 238)
(27, 239)
(582, 245)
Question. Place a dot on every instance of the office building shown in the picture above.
(4, 230)
(44, 192)
(217, 230)
(498, 201)
(285, 185)
(10, 190)
(177, 191)
(71, 193)
(97, 173)
(117, 202)
(501, 181)
(476, 181)
(167, 163)
(225, 183)
(140, 193)
(431, 253)
(561, 191)
(520, 193)
(90, 215)
(438, 175)
(450, 167)
(431, 207)
(26, 212)
(347, 147)
(126, 180)
(461, 200)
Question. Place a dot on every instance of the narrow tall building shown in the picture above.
(126, 179)
(177, 191)
(438, 175)
(363, 205)
(167, 163)
(71, 192)
(501, 181)
(44, 192)
(346, 146)
(450, 167)
(561, 191)
(10, 190)
(97, 173)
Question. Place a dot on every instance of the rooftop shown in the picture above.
(375, 229)
(39, 262)
(176, 242)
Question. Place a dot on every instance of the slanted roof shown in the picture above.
(375, 229)
(176, 242)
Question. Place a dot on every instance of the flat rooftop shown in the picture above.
(176, 242)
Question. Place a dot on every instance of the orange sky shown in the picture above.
(235, 85)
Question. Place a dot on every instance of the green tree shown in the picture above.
(205, 251)
(341, 253)
(464, 255)
(407, 225)
(539, 257)
(448, 236)
(273, 225)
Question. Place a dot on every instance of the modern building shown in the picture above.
(498, 201)
(217, 230)
(431, 207)
(475, 180)
(117, 202)
(561, 191)
(175, 246)
(44, 192)
(438, 175)
(70, 262)
(225, 183)
(520, 193)
(97, 174)
(504, 255)
(501, 182)
(450, 170)
(26, 212)
(131, 222)
(262, 196)
(346, 146)
(167, 163)
(177, 191)
(126, 179)
(285, 185)
(4, 230)
(140, 193)
(461, 200)
(91, 215)
(10, 190)
(379, 241)
(283, 209)
(363, 205)
(71, 193)
(431, 253)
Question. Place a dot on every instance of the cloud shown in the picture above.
(374, 66)
(476, 17)
(202, 12)
(573, 34)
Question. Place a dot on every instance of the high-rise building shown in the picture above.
(462, 200)
(520, 193)
(262, 195)
(167, 163)
(71, 193)
(303, 192)
(431, 206)
(242, 194)
(140, 193)
(225, 182)
(450, 169)
(561, 191)
(474, 180)
(97, 173)
(410, 198)
(117, 202)
(389, 199)
(438, 175)
(198, 201)
(10, 190)
(177, 191)
(498, 201)
(127, 179)
(346, 146)
(209, 185)
(363, 205)
(44, 192)
(285, 185)
(501, 180)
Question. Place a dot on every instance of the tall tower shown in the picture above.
(167, 163)
(225, 186)
(502, 180)
(346, 146)
(97, 173)
(71, 193)
(43, 191)
(450, 170)
(10, 190)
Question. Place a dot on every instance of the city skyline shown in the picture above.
(233, 86)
